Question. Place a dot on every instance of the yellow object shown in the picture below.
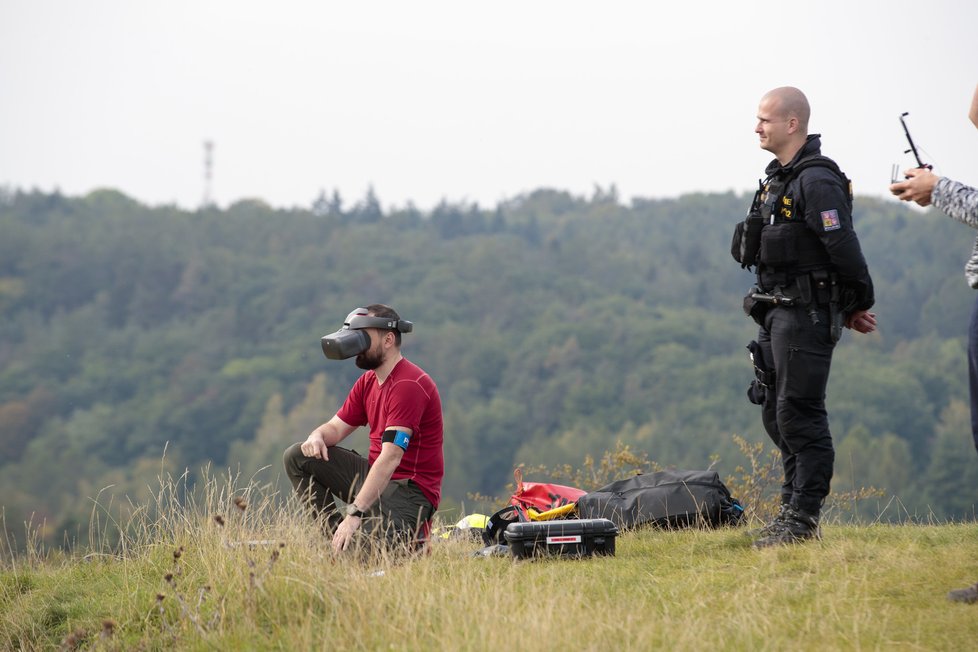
(475, 522)
(550, 514)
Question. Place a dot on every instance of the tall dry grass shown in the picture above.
(224, 564)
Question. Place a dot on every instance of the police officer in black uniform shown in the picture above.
(812, 280)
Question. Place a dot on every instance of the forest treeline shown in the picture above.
(138, 340)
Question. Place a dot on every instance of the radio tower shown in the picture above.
(208, 164)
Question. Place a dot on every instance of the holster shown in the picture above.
(763, 376)
(827, 289)
(755, 309)
(803, 284)
(837, 317)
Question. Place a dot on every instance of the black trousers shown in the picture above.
(800, 352)
(401, 515)
(973, 371)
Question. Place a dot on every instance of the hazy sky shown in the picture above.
(468, 101)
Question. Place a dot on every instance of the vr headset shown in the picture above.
(350, 340)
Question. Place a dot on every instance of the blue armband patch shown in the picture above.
(396, 437)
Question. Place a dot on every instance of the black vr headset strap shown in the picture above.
(358, 322)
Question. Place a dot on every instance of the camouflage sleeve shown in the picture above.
(957, 200)
(961, 203)
(971, 267)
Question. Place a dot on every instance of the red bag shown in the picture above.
(539, 496)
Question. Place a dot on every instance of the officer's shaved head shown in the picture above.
(789, 102)
(782, 122)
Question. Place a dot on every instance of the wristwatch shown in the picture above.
(353, 510)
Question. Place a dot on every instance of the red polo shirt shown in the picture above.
(408, 398)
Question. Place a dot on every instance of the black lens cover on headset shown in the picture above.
(350, 340)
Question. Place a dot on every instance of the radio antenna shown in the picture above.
(913, 148)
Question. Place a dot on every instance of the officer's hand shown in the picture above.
(917, 187)
(314, 446)
(862, 321)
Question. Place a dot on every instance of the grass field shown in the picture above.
(182, 578)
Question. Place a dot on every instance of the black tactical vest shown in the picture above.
(788, 247)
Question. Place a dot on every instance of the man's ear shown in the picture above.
(792, 125)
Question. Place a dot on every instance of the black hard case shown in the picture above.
(570, 537)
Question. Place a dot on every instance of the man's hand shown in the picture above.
(329, 434)
(314, 446)
(862, 321)
(344, 533)
(918, 187)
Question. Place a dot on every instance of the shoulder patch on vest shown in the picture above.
(830, 220)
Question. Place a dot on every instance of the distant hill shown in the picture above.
(138, 339)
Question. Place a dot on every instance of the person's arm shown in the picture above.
(957, 200)
(827, 213)
(328, 434)
(973, 112)
(374, 485)
(380, 474)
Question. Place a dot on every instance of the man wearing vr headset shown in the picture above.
(395, 491)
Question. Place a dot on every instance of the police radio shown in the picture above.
(895, 172)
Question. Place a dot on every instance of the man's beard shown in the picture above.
(368, 360)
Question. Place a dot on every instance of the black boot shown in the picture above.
(796, 526)
(773, 525)
(968, 595)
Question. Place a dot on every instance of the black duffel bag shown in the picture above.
(668, 499)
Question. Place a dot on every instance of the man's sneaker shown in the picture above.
(796, 526)
(968, 595)
(772, 526)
